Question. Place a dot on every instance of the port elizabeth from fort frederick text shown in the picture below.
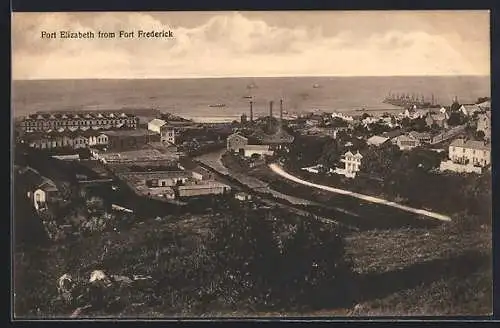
(185, 165)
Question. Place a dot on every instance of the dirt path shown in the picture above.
(278, 170)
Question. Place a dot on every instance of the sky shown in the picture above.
(253, 44)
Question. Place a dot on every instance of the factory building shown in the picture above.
(60, 122)
(123, 140)
(211, 188)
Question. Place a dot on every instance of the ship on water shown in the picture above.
(217, 105)
(410, 100)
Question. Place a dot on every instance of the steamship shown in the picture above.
(409, 100)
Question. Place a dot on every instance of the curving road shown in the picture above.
(278, 170)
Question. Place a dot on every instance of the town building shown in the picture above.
(377, 141)
(343, 116)
(155, 125)
(166, 178)
(80, 142)
(467, 156)
(261, 150)
(484, 124)
(122, 140)
(485, 105)
(440, 120)
(160, 127)
(201, 174)
(66, 139)
(242, 196)
(211, 188)
(352, 164)
(62, 121)
(469, 109)
(406, 142)
(167, 134)
(422, 137)
(392, 134)
(39, 190)
(236, 142)
(135, 157)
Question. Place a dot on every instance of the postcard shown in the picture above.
(280, 164)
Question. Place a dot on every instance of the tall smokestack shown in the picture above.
(281, 110)
(270, 115)
(251, 111)
(280, 124)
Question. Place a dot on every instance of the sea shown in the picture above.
(194, 98)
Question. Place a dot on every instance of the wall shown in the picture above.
(235, 143)
(459, 168)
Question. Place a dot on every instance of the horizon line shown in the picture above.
(246, 76)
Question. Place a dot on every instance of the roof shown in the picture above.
(79, 115)
(157, 122)
(256, 147)
(470, 144)
(486, 104)
(407, 137)
(377, 140)
(201, 170)
(393, 133)
(234, 135)
(212, 184)
(127, 133)
(356, 155)
(33, 180)
(420, 135)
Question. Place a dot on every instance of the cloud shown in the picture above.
(231, 44)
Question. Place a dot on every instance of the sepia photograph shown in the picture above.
(251, 164)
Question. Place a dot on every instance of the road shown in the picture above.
(279, 170)
(213, 160)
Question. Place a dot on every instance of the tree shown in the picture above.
(365, 115)
(246, 253)
(314, 269)
(380, 161)
(331, 153)
(455, 106)
(480, 135)
(455, 119)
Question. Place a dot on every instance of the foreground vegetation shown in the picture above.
(198, 266)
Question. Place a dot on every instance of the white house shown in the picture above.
(262, 150)
(467, 156)
(42, 193)
(406, 142)
(155, 125)
(352, 164)
(242, 196)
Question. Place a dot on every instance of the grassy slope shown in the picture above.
(442, 271)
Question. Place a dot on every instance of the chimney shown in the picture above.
(281, 110)
(251, 111)
(280, 124)
(270, 115)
